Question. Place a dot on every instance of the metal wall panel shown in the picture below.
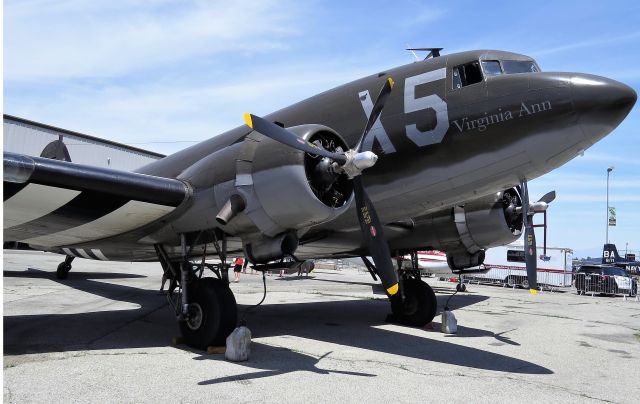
(30, 138)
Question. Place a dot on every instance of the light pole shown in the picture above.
(609, 169)
(626, 249)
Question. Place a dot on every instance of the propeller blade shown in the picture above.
(277, 133)
(385, 91)
(377, 244)
(530, 250)
(530, 255)
(548, 197)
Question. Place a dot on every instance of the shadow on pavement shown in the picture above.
(276, 361)
(351, 323)
(34, 273)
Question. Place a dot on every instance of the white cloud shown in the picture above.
(597, 197)
(187, 111)
(588, 181)
(610, 158)
(74, 39)
(590, 43)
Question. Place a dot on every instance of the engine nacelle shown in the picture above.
(261, 188)
(465, 231)
(268, 249)
(286, 189)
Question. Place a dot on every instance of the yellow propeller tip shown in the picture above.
(533, 291)
(247, 120)
(393, 290)
(391, 82)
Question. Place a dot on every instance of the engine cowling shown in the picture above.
(262, 189)
(465, 231)
(284, 189)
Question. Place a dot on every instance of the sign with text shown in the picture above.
(612, 216)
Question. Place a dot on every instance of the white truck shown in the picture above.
(506, 265)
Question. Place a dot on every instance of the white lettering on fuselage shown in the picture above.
(482, 122)
(533, 108)
(377, 131)
(491, 118)
(433, 101)
(411, 104)
(439, 106)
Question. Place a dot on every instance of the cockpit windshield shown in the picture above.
(470, 73)
(491, 67)
(519, 66)
(497, 67)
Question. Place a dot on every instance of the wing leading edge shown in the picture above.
(51, 203)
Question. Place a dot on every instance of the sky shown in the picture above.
(165, 74)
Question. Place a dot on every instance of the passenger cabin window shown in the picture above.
(519, 66)
(467, 74)
(491, 67)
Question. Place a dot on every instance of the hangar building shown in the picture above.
(30, 138)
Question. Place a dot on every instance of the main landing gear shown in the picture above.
(205, 307)
(461, 287)
(64, 267)
(415, 304)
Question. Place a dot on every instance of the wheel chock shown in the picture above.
(216, 350)
(238, 345)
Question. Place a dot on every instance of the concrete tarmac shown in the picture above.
(104, 335)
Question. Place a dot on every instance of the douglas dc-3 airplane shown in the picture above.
(444, 164)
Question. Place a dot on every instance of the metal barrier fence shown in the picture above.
(550, 280)
(517, 277)
(581, 283)
(605, 284)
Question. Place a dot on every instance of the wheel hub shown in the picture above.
(195, 317)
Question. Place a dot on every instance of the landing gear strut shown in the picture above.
(64, 267)
(416, 304)
(205, 307)
(461, 287)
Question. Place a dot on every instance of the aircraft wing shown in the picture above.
(52, 203)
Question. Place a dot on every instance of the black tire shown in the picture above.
(461, 287)
(214, 314)
(419, 307)
(63, 270)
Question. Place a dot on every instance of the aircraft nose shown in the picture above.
(601, 103)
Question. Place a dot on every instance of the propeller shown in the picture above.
(352, 163)
(528, 210)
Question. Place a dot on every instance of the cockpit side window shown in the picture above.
(456, 80)
(467, 74)
(519, 66)
(491, 67)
